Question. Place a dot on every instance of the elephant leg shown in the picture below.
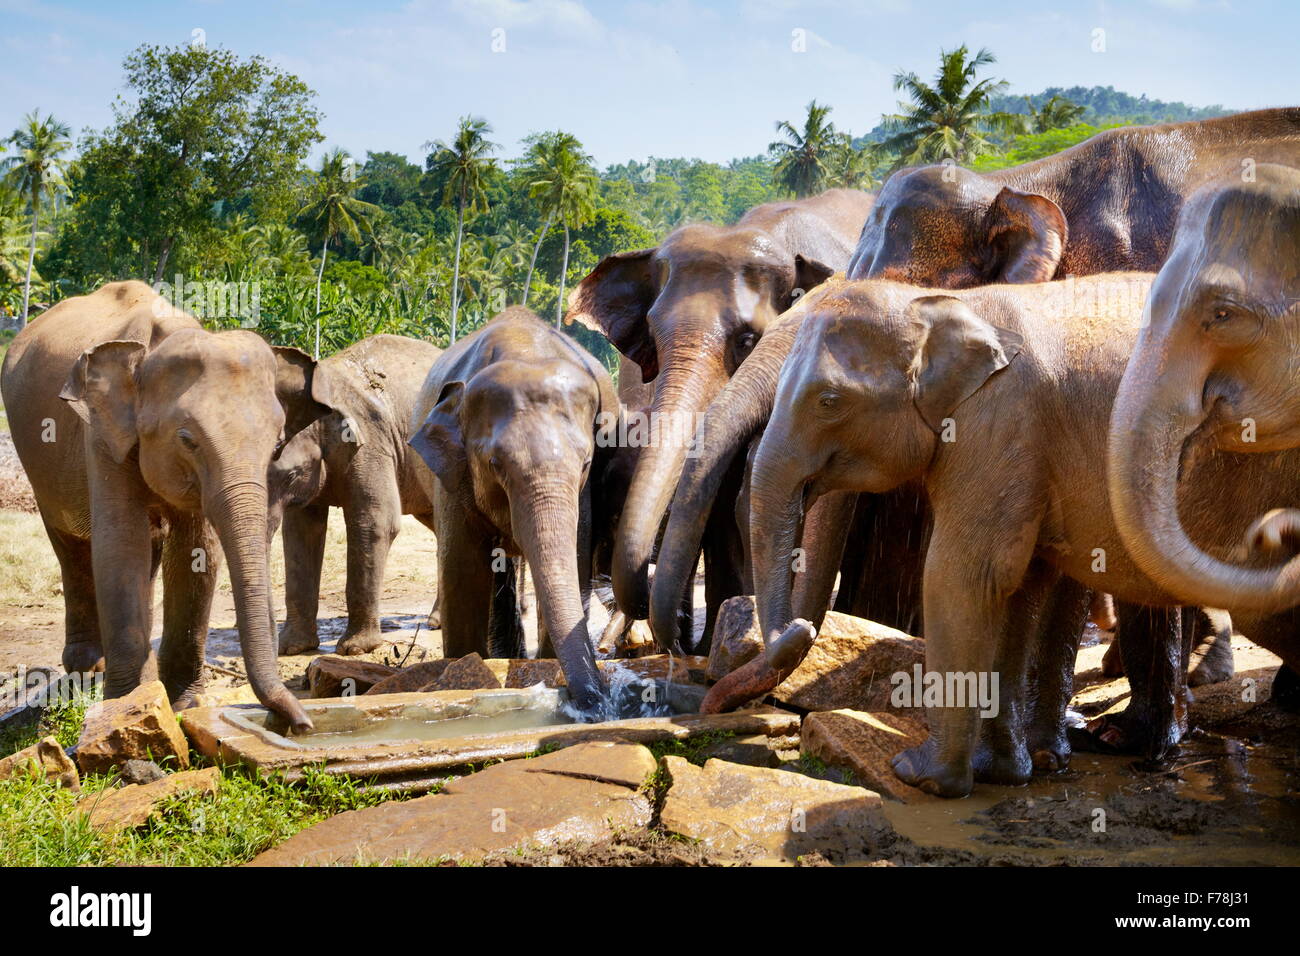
(1209, 647)
(191, 560)
(505, 627)
(1052, 684)
(465, 583)
(83, 650)
(304, 552)
(373, 520)
(724, 554)
(1151, 645)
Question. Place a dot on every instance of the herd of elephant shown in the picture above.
(974, 400)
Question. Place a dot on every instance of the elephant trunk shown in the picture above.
(1150, 424)
(736, 415)
(239, 515)
(682, 391)
(545, 521)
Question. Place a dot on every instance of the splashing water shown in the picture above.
(630, 696)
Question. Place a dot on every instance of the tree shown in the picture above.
(332, 212)
(848, 167)
(465, 162)
(201, 126)
(802, 156)
(37, 169)
(1056, 113)
(565, 188)
(952, 118)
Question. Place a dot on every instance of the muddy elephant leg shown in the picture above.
(1052, 681)
(505, 627)
(373, 518)
(304, 551)
(724, 553)
(191, 559)
(1151, 645)
(465, 583)
(83, 651)
(1209, 647)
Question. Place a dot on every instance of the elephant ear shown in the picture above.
(103, 390)
(439, 440)
(1026, 235)
(615, 299)
(305, 391)
(808, 274)
(957, 353)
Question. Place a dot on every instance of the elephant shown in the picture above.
(356, 459)
(147, 441)
(514, 421)
(999, 400)
(1213, 371)
(688, 312)
(1108, 204)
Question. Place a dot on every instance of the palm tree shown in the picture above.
(36, 170)
(848, 167)
(466, 163)
(565, 187)
(1056, 113)
(951, 119)
(802, 155)
(332, 212)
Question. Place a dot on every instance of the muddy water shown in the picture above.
(392, 729)
(1222, 802)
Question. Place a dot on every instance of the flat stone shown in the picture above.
(761, 814)
(45, 757)
(333, 676)
(125, 808)
(753, 750)
(584, 792)
(865, 743)
(849, 665)
(410, 679)
(467, 673)
(139, 726)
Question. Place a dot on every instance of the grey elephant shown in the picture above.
(508, 422)
(147, 441)
(356, 459)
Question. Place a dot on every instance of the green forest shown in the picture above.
(202, 185)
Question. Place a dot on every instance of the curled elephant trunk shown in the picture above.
(239, 515)
(682, 391)
(1148, 431)
(545, 522)
(735, 417)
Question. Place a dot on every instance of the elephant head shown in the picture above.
(860, 406)
(205, 414)
(688, 313)
(1213, 368)
(520, 436)
(949, 228)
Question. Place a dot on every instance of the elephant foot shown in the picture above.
(191, 696)
(434, 620)
(1050, 754)
(920, 767)
(1286, 689)
(83, 657)
(297, 640)
(362, 642)
(1125, 733)
(1212, 660)
(1003, 769)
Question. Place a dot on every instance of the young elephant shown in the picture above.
(143, 435)
(998, 399)
(356, 459)
(507, 420)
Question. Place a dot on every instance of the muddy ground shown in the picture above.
(1232, 795)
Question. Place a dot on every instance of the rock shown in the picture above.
(45, 757)
(141, 771)
(412, 678)
(467, 673)
(333, 676)
(585, 792)
(865, 743)
(758, 813)
(525, 673)
(139, 726)
(753, 750)
(849, 664)
(125, 808)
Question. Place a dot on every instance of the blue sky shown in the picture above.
(682, 77)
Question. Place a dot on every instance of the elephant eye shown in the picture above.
(187, 440)
(828, 400)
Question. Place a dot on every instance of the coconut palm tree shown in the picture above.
(951, 119)
(1056, 113)
(333, 212)
(466, 161)
(848, 167)
(802, 155)
(564, 185)
(37, 168)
